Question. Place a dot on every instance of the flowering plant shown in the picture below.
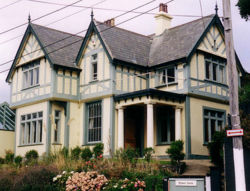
(85, 181)
(125, 185)
(61, 179)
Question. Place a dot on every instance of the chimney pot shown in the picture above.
(163, 19)
(163, 7)
(110, 22)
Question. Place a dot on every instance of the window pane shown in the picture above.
(29, 116)
(94, 57)
(25, 79)
(164, 131)
(34, 115)
(29, 132)
(206, 130)
(95, 122)
(213, 128)
(57, 113)
(40, 114)
(40, 125)
(22, 117)
(22, 133)
(37, 76)
(214, 72)
(94, 69)
(34, 131)
(57, 121)
(31, 77)
(221, 74)
(172, 128)
(220, 125)
(207, 70)
(163, 77)
(171, 74)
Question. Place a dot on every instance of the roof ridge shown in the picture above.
(212, 15)
(124, 29)
(57, 30)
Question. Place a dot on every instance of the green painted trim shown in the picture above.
(48, 129)
(29, 101)
(66, 130)
(112, 123)
(199, 157)
(188, 127)
(28, 145)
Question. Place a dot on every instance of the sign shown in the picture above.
(186, 183)
(234, 132)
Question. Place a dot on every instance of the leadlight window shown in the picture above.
(213, 121)
(94, 122)
(31, 74)
(215, 69)
(167, 76)
(31, 131)
(165, 125)
(94, 66)
(57, 126)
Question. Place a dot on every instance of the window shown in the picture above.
(94, 122)
(165, 125)
(215, 69)
(167, 76)
(31, 128)
(94, 66)
(57, 126)
(213, 121)
(31, 74)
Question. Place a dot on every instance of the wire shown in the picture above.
(202, 14)
(10, 4)
(47, 14)
(76, 35)
(8, 40)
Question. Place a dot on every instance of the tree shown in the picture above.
(244, 6)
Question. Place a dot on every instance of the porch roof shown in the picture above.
(153, 93)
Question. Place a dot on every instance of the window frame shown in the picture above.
(31, 71)
(58, 127)
(158, 130)
(26, 138)
(94, 61)
(215, 76)
(160, 75)
(209, 117)
(100, 102)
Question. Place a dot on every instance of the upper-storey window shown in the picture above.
(94, 67)
(167, 76)
(31, 74)
(215, 69)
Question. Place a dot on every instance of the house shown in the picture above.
(7, 129)
(121, 88)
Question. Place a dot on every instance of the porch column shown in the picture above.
(177, 123)
(150, 125)
(120, 127)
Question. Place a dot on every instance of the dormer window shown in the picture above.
(167, 76)
(215, 69)
(31, 74)
(94, 66)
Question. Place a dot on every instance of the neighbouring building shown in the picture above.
(7, 129)
(121, 88)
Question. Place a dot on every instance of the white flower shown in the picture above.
(59, 176)
(115, 186)
(64, 172)
(72, 172)
(54, 179)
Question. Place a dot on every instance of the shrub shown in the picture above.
(1, 160)
(215, 148)
(176, 154)
(65, 152)
(9, 156)
(18, 160)
(147, 152)
(86, 154)
(75, 153)
(85, 181)
(31, 155)
(129, 155)
(98, 150)
(154, 182)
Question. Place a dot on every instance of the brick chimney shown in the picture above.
(163, 19)
(110, 22)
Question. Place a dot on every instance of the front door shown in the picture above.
(134, 128)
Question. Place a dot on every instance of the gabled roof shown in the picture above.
(60, 48)
(125, 45)
(177, 42)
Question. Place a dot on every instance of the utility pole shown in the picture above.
(233, 98)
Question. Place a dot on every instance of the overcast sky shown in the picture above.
(17, 14)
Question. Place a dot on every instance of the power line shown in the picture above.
(202, 13)
(50, 13)
(81, 32)
(3, 7)
(8, 40)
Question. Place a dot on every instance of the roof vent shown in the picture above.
(110, 22)
(163, 19)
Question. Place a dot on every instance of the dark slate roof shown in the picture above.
(67, 45)
(125, 45)
(177, 42)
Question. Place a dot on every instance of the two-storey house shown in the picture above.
(121, 88)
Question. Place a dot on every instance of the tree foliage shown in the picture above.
(244, 7)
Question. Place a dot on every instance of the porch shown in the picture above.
(149, 118)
